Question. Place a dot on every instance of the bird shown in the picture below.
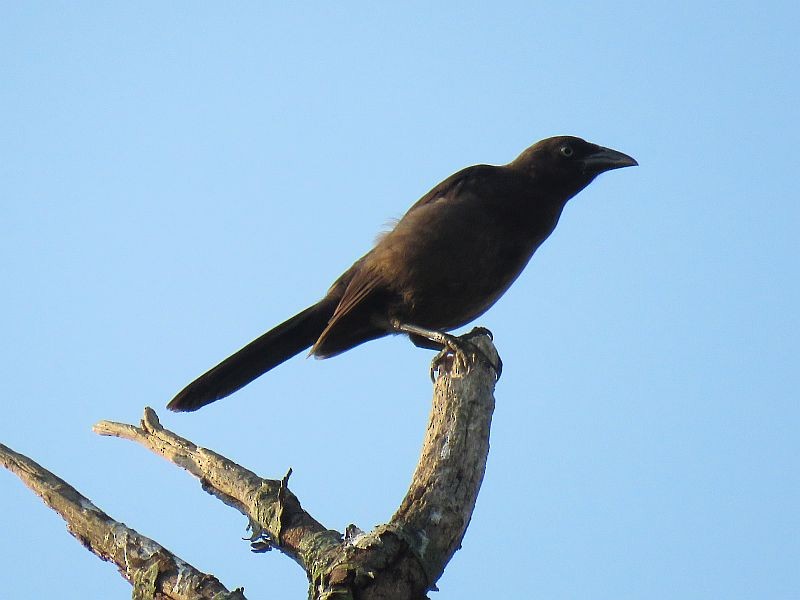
(442, 265)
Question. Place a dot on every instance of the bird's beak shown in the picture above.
(605, 159)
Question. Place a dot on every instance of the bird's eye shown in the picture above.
(567, 151)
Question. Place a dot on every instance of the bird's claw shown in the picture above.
(477, 331)
(458, 352)
(464, 353)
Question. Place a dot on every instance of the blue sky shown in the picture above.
(177, 178)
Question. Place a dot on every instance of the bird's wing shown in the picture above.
(363, 283)
(450, 188)
(366, 281)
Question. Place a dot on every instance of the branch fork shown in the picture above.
(400, 560)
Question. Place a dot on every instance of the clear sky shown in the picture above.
(177, 177)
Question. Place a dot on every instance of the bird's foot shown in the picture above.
(456, 355)
(477, 331)
(463, 353)
(497, 367)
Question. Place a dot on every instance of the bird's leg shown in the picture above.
(423, 342)
(463, 351)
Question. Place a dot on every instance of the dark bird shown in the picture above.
(450, 257)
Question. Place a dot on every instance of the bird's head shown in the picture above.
(568, 163)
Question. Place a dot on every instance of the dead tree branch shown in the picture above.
(400, 560)
(153, 570)
(276, 517)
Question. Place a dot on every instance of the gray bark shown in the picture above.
(400, 560)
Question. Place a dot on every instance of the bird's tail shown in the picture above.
(256, 358)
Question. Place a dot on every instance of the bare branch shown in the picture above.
(150, 567)
(276, 516)
(405, 558)
(401, 560)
